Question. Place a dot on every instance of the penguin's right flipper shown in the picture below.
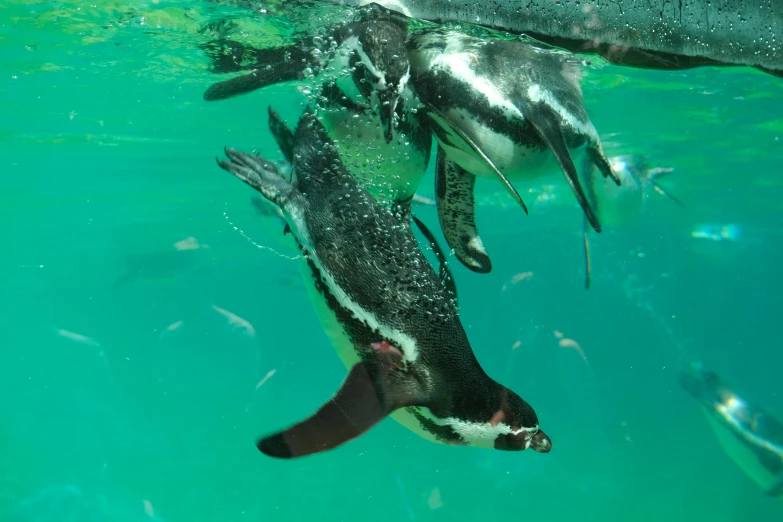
(444, 272)
(259, 173)
(367, 396)
(280, 64)
(283, 135)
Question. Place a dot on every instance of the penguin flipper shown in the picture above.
(365, 398)
(586, 241)
(283, 135)
(456, 212)
(653, 176)
(444, 272)
(545, 121)
(259, 173)
(280, 64)
(444, 123)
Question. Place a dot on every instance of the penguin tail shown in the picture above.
(369, 394)
(259, 173)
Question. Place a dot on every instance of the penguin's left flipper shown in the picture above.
(456, 212)
(444, 272)
(369, 394)
(259, 173)
(546, 122)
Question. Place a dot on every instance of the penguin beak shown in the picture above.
(540, 442)
(388, 99)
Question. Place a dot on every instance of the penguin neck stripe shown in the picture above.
(403, 341)
(460, 69)
(354, 44)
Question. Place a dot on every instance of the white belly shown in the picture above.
(515, 162)
(741, 455)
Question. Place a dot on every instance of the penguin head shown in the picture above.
(501, 420)
(516, 425)
(382, 69)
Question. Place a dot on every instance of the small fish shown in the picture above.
(570, 343)
(79, 338)
(268, 375)
(172, 327)
(236, 321)
(189, 243)
(517, 278)
(423, 200)
(435, 501)
(148, 509)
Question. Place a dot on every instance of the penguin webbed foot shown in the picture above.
(596, 156)
(257, 172)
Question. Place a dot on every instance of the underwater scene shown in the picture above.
(417, 261)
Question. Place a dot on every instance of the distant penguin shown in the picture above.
(391, 319)
(751, 437)
(362, 71)
(502, 109)
(617, 206)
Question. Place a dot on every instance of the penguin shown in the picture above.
(751, 437)
(501, 109)
(391, 319)
(362, 71)
(618, 206)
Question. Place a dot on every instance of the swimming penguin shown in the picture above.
(603, 28)
(391, 319)
(618, 206)
(362, 70)
(502, 109)
(749, 435)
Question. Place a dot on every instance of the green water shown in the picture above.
(107, 159)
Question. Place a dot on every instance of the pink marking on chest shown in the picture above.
(386, 347)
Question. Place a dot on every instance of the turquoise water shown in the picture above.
(131, 399)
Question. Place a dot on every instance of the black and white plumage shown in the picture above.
(750, 436)
(361, 70)
(502, 109)
(391, 319)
